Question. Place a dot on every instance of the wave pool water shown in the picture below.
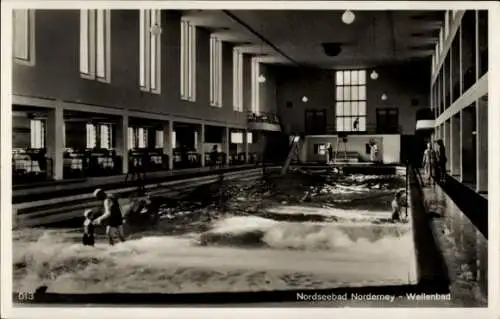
(231, 252)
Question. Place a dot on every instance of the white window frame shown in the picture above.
(216, 54)
(237, 80)
(255, 86)
(249, 137)
(95, 45)
(188, 61)
(342, 100)
(90, 135)
(150, 50)
(37, 134)
(26, 36)
(138, 137)
(159, 136)
(106, 143)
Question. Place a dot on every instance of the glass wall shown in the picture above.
(446, 82)
(468, 49)
(455, 67)
(483, 41)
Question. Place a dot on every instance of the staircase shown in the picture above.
(293, 153)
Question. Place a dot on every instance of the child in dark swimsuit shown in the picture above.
(88, 228)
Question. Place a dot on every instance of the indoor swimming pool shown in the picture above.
(308, 229)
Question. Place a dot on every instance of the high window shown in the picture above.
(24, 36)
(237, 80)
(95, 33)
(188, 61)
(215, 72)
(150, 50)
(350, 108)
(255, 86)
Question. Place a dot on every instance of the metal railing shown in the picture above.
(28, 170)
(266, 117)
(370, 129)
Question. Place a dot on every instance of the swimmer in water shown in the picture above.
(397, 204)
(88, 228)
(112, 217)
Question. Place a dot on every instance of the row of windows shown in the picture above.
(95, 58)
(137, 136)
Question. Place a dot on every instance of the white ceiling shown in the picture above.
(296, 37)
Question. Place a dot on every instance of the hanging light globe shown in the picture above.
(374, 75)
(384, 97)
(305, 99)
(262, 78)
(348, 17)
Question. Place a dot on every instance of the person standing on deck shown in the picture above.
(330, 153)
(373, 151)
(429, 162)
(112, 217)
(441, 161)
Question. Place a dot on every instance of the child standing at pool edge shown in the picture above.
(88, 228)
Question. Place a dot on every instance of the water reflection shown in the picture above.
(464, 246)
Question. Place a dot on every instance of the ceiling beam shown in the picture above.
(258, 35)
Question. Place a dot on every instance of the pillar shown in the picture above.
(482, 146)
(446, 141)
(225, 143)
(55, 141)
(245, 145)
(122, 141)
(468, 172)
(168, 128)
(454, 146)
(201, 144)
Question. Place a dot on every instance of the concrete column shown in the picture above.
(446, 141)
(122, 141)
(168, 128)
(55, 141)
(468, 171)
(482, 146)
(201, 144)
(245, 145)
(454, 146)
(225, 143)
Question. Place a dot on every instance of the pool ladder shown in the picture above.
(294, 152)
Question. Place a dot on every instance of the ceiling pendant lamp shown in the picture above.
(262, 78)
(374, 75)
(305, 99)
(384, 97)
(348, 17)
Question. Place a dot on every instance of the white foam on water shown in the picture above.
(345, 214)
(285, 255)
(294, 258)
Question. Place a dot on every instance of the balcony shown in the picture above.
(264, 122)
(371, 129)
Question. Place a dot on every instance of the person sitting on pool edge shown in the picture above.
(112, 217)
(397, 204)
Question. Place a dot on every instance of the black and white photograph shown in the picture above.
(165, 155)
